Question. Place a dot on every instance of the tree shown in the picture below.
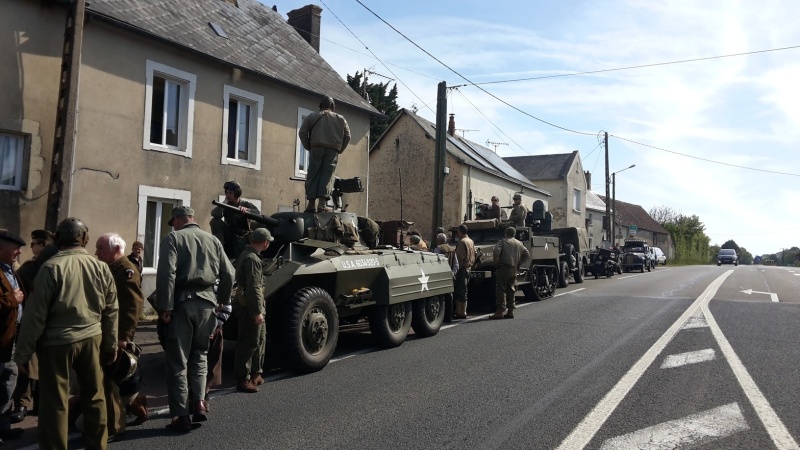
(664, 214)
(377, 96)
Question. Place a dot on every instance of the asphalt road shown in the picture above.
(681, 357)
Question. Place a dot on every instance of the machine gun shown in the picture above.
(288, 227)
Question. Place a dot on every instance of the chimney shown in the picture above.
(451, 127)
(306, 21)
(588, 176)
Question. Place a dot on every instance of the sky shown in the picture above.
(725, 130)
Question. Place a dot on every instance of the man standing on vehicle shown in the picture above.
(508, 254)
(465, 254)
(190, 262)
(494, 210)
(229, 226)
(518, 211)
(325, 134)
(250, 310)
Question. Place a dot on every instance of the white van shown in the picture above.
(658, 256)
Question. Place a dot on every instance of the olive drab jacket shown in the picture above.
(324, 128)
(238, 222)
(250, 281)
(75, 299)
(518, 215)
(509, 252)
(129, 296)
(189, 263)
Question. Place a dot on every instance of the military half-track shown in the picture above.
(318, 274)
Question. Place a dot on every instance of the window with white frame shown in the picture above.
(241, 128)
(576, 200)
(301, 153)
(11, 161)
(169, 109)
(155, 210)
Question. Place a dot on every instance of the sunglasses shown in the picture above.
(36, 243)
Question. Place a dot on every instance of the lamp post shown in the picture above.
(614, 203)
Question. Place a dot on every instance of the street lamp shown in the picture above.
(614, 203)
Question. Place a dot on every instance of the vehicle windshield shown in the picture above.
(634, 249)
(727, 252)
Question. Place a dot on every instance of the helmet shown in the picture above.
(125, 366)
(327, 102)
(517, 196)
(233, 186)
(72, 231)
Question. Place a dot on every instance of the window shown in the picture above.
(155, 210)
(241, 128)
(11, 161)
(576, 200)
(301, 153)
(169, 109)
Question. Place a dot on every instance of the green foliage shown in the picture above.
(790, 257)
(688, 235)
(745, 257)
(383, 101)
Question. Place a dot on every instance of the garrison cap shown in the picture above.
(180, 211)
(12, 237)
(261, 235)
(41, 235)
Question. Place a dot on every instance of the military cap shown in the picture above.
(517, 196)
(180, 211)
(261, 235)
(12, 237)
(41, 235)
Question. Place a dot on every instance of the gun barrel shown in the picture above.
(260, 218)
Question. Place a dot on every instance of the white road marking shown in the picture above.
(683, 359)
(585, 431)
(777, 430)
(691, 430)
(629, 276)
(698, 321)
(351, 354)
(773, 296)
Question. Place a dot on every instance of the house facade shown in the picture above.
(173, 99)
(562, 175)
(632, 221)
(402, 176)
(595, 218)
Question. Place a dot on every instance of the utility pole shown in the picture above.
(440, 156)
(608, 197)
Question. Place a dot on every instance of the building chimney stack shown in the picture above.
(306, 21)
(588, 180)
(451, 127)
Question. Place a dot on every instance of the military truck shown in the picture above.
(318, 274)
(574, 252)
(635, 255)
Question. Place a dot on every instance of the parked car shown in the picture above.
(727, 256)
(658, 256)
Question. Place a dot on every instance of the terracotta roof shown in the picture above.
(543, 167)
(259, 40)
(630, 214)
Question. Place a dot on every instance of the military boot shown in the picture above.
(510, 313)
(460, 310)
(499, 314)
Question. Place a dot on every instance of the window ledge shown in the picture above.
(149, 271)
(170, 150)
(240, 163)
(298, 178)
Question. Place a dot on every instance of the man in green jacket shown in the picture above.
(189, 263)
(250, 311)
(71, 323)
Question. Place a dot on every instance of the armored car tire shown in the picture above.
(312, 330)
(530, 293)
(578, 274)
(428, 315)
(563, 275)
(389, 324)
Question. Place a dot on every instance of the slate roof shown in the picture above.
(544, 167)
(630, 214)
(471, 154)
(594, 202)
(260, 40)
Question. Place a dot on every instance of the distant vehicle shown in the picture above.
(658, 256)
(635, 256)
(727, 256)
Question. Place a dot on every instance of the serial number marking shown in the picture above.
(360, 263)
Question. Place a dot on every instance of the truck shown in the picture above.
(318, 273)
(635, 255)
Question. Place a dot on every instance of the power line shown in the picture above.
(490, 121)
(641, 66)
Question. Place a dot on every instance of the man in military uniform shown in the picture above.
(325, 134)
(110, 248)
(518, 212)
(11, 297)
(71, 322)
(465, 254)
(494, 209)
(189, 263)
(137, 255)
(229, 226)
(250, 310)
(508, 255)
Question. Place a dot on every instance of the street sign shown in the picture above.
(632, 229)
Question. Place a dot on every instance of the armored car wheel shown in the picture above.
(390, 324)
(530, 293)
(563, 275)
(579, 273)
(428, 314)
(312, 330)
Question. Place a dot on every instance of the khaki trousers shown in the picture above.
(250, 345)
(55, 363)
(321, 165)
(504, 289)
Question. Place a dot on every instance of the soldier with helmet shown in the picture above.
(325, 134)
(508, 255)
(230, 227)
(518, 211)
(71, 323)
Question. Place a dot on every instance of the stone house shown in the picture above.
(632, 220)
(402, 175)
(595, 218)
(562, 175)
(172, 99)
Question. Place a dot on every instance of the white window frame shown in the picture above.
(18, 160)
(255, 202)
(189, 81)
(299, 150)
(256, 103)
(184, 198)
(576, 200)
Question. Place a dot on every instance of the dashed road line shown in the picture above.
(683, 359)
(689, 431)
